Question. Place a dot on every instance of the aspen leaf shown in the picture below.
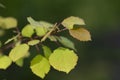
(71, 21)
(20, 62)
(66, 42)
(8, 22)
(47, 51)
(40, 31)
(5, 62)
(33, 42)
(40, 66)
(19, 52)
(63, 59)
(27, 31)
(80, 34)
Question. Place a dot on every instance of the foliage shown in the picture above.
(34, 34)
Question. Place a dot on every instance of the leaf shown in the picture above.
(2, 32)
(47, 51)
(33, 42)
(66, 42)
(39, 23)
(28, 31)
(20, 62)
(8, 23)
(80, 34)
(52, 38)
(71, 21)
(40, 31)
(19, 52)
(63, 59)
(40, 66)
(5, 62)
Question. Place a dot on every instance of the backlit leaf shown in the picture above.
(27, 31)
(19, 52)
(40, 66)
(47, 51)
(63, 59)
(5, 62)
(33, 42)
(20, 62)
(40, 31)
(66, 42)
(80, 34)
(71, 21)
(8, 22)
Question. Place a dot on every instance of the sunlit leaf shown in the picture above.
(8, 22)
(80, 34)
(71, 21)
(47, 51)
(63, 59)
(40, 66)
(5, 62)
(20, 62)
(33, 42)
(66, 42)
(19, 52)
(27, 31)
(52, 38)
(46, 24)
(40, 31)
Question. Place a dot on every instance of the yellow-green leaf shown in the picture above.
(63, 59)
(40, 66)
(19, 52)
(71, 21)
(40, 31)
(8, 22)
(80, 34)
(33, 42)
(27, 31)
(5, 62)
(47, 51)
(20, 62)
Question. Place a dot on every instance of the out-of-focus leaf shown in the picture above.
(8, 22)
(40, 66)
(19, 52)
(2, 32)
(71, 21)
(52, 38)
(28, 31)
(63, 59)
(47, 51)
(40, 31)
(80, 34)
(33, 42)
(11, 39)
(66, 42)
(5, 62)
(20, 62)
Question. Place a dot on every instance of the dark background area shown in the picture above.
(98, 59)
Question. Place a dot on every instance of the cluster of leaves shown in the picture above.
(62, 59)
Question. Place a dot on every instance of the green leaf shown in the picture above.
(8, 22)
(52, 38)
(28, 31)
(47, 51)
(46, 24)
(80, 34)
(66, 42)
(19, 52)
(63, 59)
(33, 42)
(2, 32)
(71, 21)
(5, 62)
(40, 66)
(40, 31)
(20, 62)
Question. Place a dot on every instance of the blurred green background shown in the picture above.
(98, 59)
